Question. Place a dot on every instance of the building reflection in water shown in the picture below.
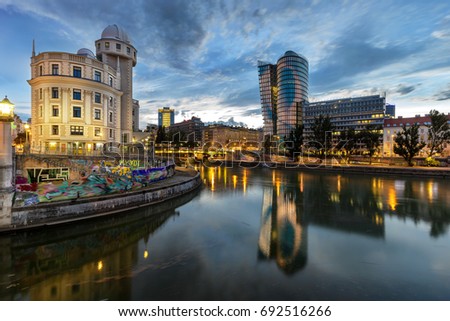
(94, 260)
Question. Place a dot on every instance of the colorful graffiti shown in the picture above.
(101, 181)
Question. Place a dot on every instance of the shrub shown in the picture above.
(429, 161)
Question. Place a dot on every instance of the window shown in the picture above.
(40, 93)
(76, 130)
(55, 92)
(97, 132)
(40, 130)
(55, 69)
(111, 133)
(107, 45)
(40, 70)
(110, 81)
(118, 46)
(77, 72)
(97, 114)
(97, 76)
(40, 111)
(55, 130)
(98, 98)
(76, 112)
(98, 46)
(76, 94)
(110, 116)
(55, 111)
(128, 50)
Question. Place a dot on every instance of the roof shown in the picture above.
(115, 32)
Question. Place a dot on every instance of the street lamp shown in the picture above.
(6, 110)
(6, 161)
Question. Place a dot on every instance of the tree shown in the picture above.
(322, 129)
(407, 143)
(161, 135)
(371, 136)
(438, 132)
(347, 142)
(296, 137)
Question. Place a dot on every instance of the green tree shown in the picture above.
(161, 135)
(322, 129)
(407, 143)
(371, 136)
(438, 132)
(296, 138)
(347, 142)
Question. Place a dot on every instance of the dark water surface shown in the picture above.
(249, 234)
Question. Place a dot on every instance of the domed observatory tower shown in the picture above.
(115, 49)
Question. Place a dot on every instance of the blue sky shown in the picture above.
(200, 57)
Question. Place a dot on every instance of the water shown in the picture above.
(249, 234)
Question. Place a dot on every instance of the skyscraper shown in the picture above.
(166, 117)
(283, 91)
(292, 81)
(268, 91)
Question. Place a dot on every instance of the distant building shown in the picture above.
(166, 117)
(390, 111)
(224, 135)
(346, 113)
(392, 126)
(79, 102)
(283, 97)
(193, 129)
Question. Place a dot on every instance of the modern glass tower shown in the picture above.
(283, 90)
(292, 81)
(268, 92)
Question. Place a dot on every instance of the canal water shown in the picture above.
(249, 234)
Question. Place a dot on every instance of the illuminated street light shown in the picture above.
(6, 110)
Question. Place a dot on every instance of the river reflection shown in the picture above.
(249, 234)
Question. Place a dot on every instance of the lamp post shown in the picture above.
(27, 138)
(6, 161)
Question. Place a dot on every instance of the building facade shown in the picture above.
(346, 113)
(268, 90)
(224, 135)
(166, 117)
(193, 129)
(392, 126)
(77, 100)
(283, 93)
(292, 81)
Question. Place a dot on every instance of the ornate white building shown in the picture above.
(79, 102)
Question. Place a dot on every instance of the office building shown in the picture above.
(283, 92)
(346, 113)
(166, 117)
(192, 128)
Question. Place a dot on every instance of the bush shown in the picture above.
(429, 161)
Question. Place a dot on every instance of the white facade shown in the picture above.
(77, 102)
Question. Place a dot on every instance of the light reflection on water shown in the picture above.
(250, 234)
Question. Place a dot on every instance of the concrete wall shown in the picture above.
(64, 212)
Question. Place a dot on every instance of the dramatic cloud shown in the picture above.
(404, 90)
(200, 56)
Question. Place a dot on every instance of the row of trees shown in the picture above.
(407, 142)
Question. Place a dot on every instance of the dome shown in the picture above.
(115, 32)
(86, 52)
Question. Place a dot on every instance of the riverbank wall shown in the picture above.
(63, 212)
(435, 172)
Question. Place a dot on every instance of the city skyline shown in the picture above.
(201, 58)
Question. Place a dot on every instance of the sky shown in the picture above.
(200, 57)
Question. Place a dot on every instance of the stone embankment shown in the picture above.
(47, 214)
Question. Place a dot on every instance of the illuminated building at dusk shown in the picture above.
(79, 102)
